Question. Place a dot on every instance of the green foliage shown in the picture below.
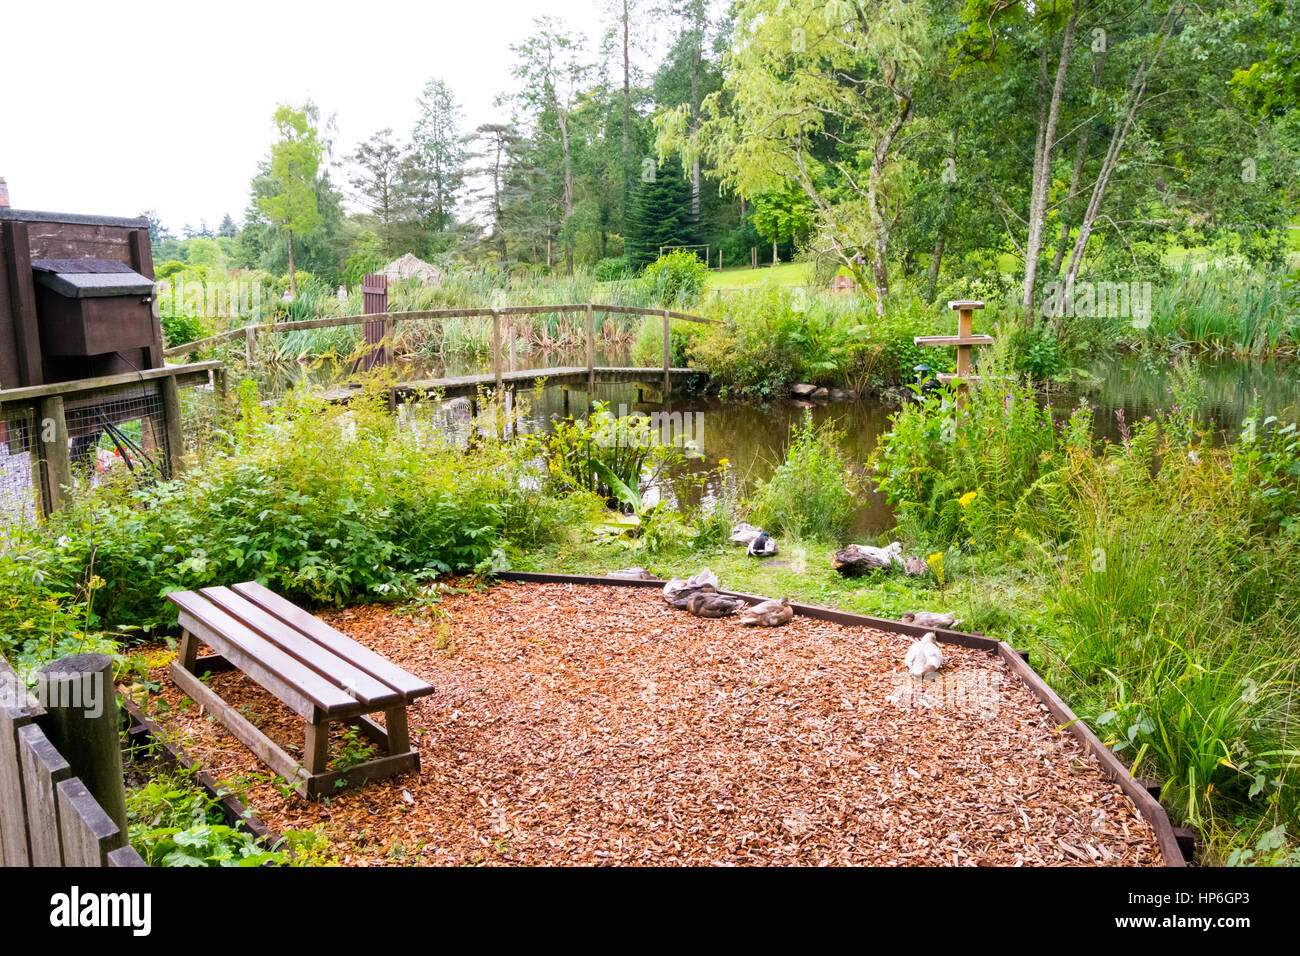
(658, 215)
(612, 268)
(607, 456)
(771, 338)
(174, 822)
(323, 503)
(810, 494)
(676, 278)
(958, 476)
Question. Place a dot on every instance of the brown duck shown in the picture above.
(712, 604)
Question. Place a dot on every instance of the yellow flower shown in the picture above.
(96, 582)
(936, 558)
(967, 498)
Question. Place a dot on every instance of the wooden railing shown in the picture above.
(48, 815)
(249, 333)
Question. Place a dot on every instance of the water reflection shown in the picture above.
(752, 438)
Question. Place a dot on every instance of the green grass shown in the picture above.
(782, 274)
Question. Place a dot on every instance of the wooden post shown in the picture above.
(81, 721)
(496, 351)
(591, 352)
(250, 345)
(668, 353)
(53, 430)
(173, 427)
(514, 334)
(221, 390)
(965, 341)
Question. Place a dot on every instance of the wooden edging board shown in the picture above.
(1170, 851)
(144, 733)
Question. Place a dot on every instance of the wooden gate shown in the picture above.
(374, 293)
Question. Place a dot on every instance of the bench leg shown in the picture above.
(399, 741)
(316, 752)
(188, 652)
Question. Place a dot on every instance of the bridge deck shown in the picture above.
(468, 385)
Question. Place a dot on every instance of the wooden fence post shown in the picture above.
(173, 427)
(496, 351)
(18, 708)
(591, 352)
(221, 390)
(53, 431)
(514, 334)
(81, 721)
(668, 352)
(250, 345)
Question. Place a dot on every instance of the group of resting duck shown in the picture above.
(700, 596)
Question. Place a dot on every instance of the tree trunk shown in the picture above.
(1076, 173)
(1042, 178)
(627, 116)
(293, 280)
(932, 275)
(1136, 91)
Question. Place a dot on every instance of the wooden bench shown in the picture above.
(322, 675)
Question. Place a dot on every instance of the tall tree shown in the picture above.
(295, 162)
(820, 95)
(552, 69)
(376, 180)
(433, 171)
(660, 214)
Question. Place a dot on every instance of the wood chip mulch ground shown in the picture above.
(596, 725)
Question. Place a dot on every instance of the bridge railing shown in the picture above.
(249, 333)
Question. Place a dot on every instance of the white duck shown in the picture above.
(676, 586)
(892, 553)
(924, 657)
(744, 533)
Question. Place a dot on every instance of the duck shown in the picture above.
(763, 546)
(712, 604)
(930, 619)
(677, 588)
(768, 614)
(924, 657)
(682, 597)
(744, 533)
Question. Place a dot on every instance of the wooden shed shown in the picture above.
(76, 298)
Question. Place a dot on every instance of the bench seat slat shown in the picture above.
(290, 680)
(363, 657)
(335, 669)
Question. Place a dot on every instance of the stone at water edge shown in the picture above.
(843, 395)
(821, 395)
(802, 390)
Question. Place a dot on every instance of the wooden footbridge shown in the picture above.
(505, 375)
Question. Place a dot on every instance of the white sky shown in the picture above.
(114, 109)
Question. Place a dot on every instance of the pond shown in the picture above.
(752, 437)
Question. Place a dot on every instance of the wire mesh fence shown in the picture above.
(19, 464)
(115, 432)
(200, 416)
(119, 428)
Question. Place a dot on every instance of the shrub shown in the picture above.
(611, 269)
(810, 494)
(676, 278)
(325, 504)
